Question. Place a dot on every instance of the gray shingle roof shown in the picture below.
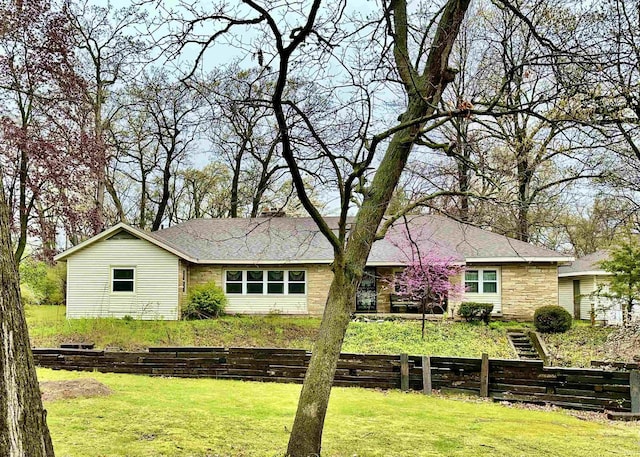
(297, 240)
(588, 263)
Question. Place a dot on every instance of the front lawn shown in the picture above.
(48, 328)
(162, 417)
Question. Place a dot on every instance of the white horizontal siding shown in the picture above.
(265, 304)
(587, 303)
(605, 309)
(565, 294)
(89, 281)
(494, 299)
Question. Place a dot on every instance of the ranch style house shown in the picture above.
(283, 265)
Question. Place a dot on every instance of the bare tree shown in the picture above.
(244, 134)
(529, 156)
(109, 54)
(604, 75)
(155, 136)
(417, 60)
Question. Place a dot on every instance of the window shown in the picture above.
(184, 280)
(122, 279)
(275, 282)
(490, 281)
(266, 282)
(296, 282)
(255, 281)
(471, 281)
(481, 281)
(234, 282)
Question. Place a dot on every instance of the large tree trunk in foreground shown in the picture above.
(306, 435)
(424, 92)
(23, 425)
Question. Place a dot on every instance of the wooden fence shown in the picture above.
(511, 380)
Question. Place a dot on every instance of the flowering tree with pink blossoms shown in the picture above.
(427, 280)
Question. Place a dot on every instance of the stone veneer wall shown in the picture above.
(384, 286)
(526, 287)
(182, 296)
(319, 278)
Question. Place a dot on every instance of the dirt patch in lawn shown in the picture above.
(76, 388)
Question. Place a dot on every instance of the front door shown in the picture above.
(367, 296)
(576, 298)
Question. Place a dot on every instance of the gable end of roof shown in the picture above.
(110, 232)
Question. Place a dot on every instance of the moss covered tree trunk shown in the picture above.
(23, 425)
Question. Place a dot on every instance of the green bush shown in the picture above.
(552, 319)
(42, 284)
(475, 312)
(29, 297)
(204, 302)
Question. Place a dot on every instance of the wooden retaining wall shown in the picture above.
(615, 365)
(512, 380)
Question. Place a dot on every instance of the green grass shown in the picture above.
(441, 338)
(580, 345)
(48, 328)
(156, 417)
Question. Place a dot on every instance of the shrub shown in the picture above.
(475, 312)
(29, 297)
(47, 283)
(53, 285)
(204, 302)
(552, 319)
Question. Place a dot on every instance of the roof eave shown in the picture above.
(585, 273)
(528, 259)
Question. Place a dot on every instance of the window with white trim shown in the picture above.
(123, 279)
(297, 281)
(233, 282)
(255, 282)
(275, 282)
(265, 282)
(481, 281)
(184, 280)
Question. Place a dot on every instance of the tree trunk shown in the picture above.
(99, 138)
(122, 217)
(464, 170)
(306, 436)
(525, 175)
(523, 221)
(424, 315)
(23, 425)
(22, 210)
(235, 182)
(164, 200)
(424, 95)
